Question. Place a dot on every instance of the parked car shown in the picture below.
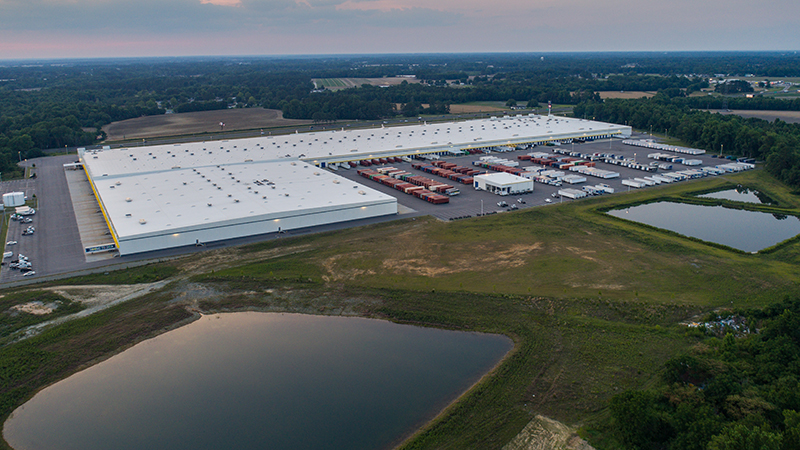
(29, 274)
(502, 204)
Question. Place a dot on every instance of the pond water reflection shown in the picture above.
(260, 380)
(748, 231)
(740, 194)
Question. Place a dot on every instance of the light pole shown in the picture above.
(481, 207)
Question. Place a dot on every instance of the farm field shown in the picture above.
(197, 122)
(625, 94)
(344, 83)
(786, 116)
(467, 108)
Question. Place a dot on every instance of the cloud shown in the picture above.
(117, 27)
(222, 2)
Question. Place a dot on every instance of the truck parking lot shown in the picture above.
(471, 203)
(55, 246)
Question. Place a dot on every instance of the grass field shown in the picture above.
(344, 83)
(625, 94)
(467, 108)
(593, 303)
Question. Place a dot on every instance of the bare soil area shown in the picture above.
(36, 308)
(786, 116)
(626, 94)
(542, 433)
(198, 122)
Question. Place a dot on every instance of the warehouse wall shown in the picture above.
(252, 226)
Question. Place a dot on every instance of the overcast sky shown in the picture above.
(121, 28)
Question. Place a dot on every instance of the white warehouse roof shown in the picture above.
(502, 179)
(175, 207)
(158, 196)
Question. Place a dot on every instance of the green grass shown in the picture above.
(142, 274)
(592, 302)
(330, 82)
(12, 320)
(34, 363)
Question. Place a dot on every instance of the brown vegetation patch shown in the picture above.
(543, 433)
(482, 259)
(786, 116)
(343, 273)
(35, 308)
(198, 122)
(466, 109)
(582, 253)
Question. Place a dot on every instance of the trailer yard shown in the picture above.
(604, 167)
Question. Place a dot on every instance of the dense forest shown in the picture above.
(738, 389)
(56, 104)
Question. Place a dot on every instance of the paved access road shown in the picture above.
(55, 247)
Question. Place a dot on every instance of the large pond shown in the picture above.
(748, 231)
(739, 195)
(260, 381)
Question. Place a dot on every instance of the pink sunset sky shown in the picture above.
(115, 28)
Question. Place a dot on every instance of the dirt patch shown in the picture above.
(99, 295)
(542, 433)
(198, 122)
(481, 259)
(466, 109)
(583, 253)
(36, 308)
(338, 273)
(626, 94)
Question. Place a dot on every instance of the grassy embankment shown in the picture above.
(592, 302)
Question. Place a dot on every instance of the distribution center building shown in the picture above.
(174, 207)
(156, 197)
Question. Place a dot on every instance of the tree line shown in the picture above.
(54, 104)
(739, 389)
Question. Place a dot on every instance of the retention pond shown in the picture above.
(260, 380)
(749, 231)
(739, 195)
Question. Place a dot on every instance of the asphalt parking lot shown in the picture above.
(471, 202)
(56, 248)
